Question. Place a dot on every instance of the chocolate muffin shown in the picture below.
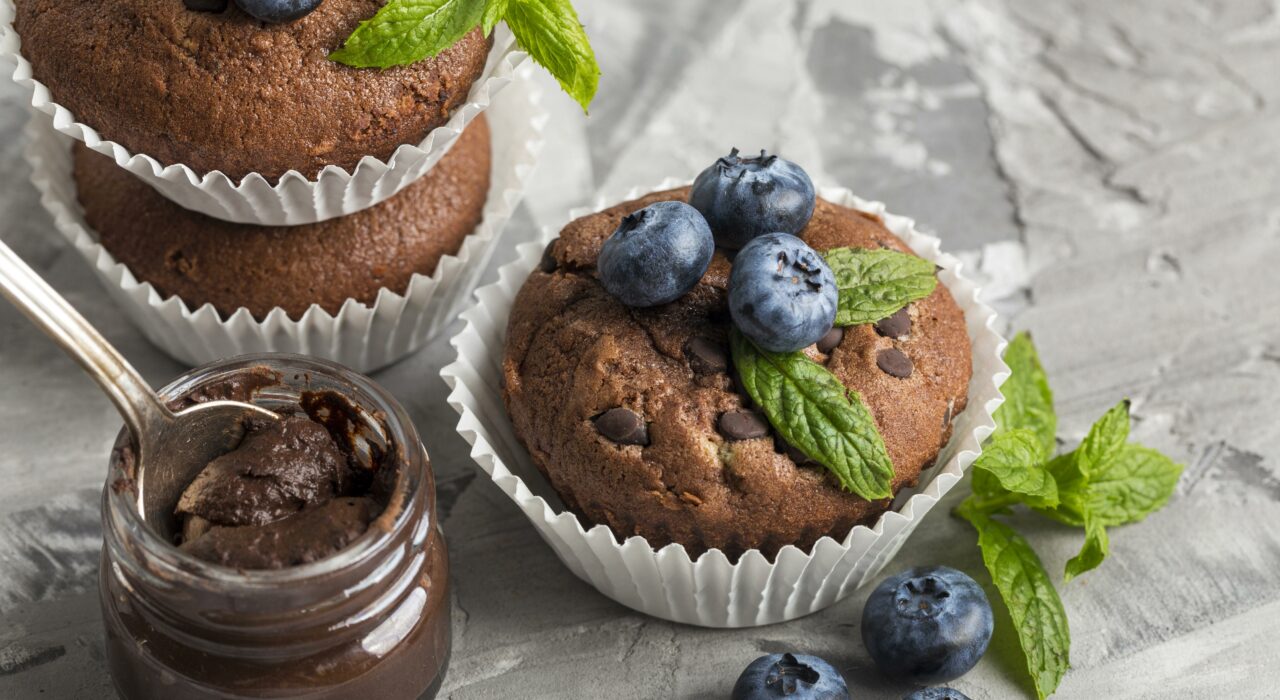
(206, 260)
(634, 417)
(223, 91)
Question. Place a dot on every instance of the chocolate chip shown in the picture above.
(828, 342)
(743, 425)
(894, 362)
(706, 356)
(792, 451)
(946, 418)
(622, 426)
(549, 264)
(896, 326)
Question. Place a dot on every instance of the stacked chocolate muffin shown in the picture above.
(226, 93)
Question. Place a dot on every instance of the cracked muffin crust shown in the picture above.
(222, 91)
(205, 260)
(681, 462)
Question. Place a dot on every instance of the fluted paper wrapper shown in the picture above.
(294, 198)
(362, 336)
(711, 591)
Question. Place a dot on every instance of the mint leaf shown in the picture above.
(1137, 483)
(407, 31)
(814, 412)
(874, 284)
(1013, 459)
(1105, 440)
(1096, 545)
(1028, 401)
(550, 31)
(494, 10)
(1033, 604)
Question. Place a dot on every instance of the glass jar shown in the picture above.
(370, 621)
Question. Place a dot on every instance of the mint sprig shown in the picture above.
(874, 284)
(1038, 617)
(1106, 481)
(813, 411)
(408, 31)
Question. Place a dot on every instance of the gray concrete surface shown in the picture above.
(1112, 167)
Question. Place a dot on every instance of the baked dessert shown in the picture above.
(206, 260)
(224, 91)
(637, 418)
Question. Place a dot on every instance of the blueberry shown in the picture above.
(782, 295)
(743, 198)
(206, 5)
(657, 254)
(278, 10)
(794, 676)
(937, 694)
(927, 625)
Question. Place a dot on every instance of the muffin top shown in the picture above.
(223, 91)
(206, 260)
(686, 460)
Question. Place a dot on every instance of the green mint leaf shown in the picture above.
(874, 284)
(1135, 483)
(1028, 401)
(813, 411)
(407, 31)
(550, 31)
(1013, 458)
(494, 11)
(1105, 440)
(1072, 491)
(1033, 604)
(1096, 545)
(1138, 482)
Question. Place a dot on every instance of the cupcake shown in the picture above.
(243, 111)
(223, 91)
(365, 289)
(729, 404)
(653, 436)
(203, 260)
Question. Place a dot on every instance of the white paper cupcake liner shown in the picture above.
(361, 336)
(294, 198)
(711, 591)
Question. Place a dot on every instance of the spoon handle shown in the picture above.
(133, 397)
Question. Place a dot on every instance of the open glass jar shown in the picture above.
(370, 621)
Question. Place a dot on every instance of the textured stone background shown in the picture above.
(1112, 167)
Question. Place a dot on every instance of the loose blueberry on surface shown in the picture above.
(782, 295)
(927, 625)
(206, 5)
(743, 198)
(656, 255)
(793, 676)
(278, 10)
(937, 694)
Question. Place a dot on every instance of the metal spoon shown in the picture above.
(172, 447)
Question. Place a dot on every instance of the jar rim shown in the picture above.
(177, 565)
